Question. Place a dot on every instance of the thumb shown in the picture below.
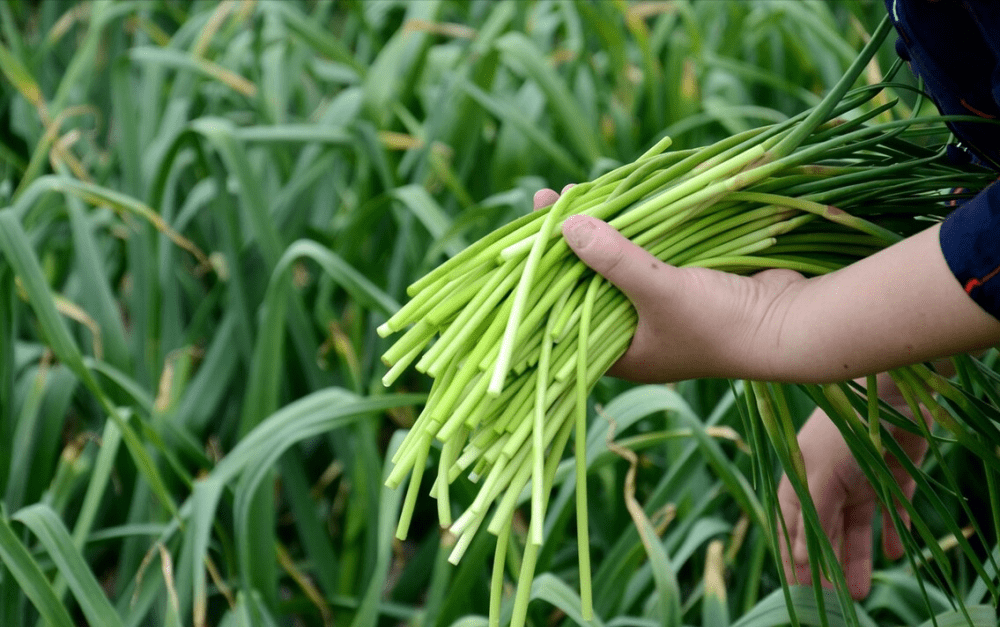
(629, 267)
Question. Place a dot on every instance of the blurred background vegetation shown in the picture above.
(208, 208)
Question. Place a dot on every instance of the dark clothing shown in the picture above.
(954, 46)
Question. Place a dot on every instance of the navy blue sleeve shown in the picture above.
(955, 48)
(970, 241)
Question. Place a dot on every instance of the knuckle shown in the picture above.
(613, 264)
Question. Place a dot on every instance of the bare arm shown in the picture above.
(898, 307)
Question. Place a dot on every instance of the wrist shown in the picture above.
(773, 347)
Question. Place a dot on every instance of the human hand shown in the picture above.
(693, 322)
(845, 501)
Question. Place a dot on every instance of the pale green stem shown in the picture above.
(449, 452)
(656, 148)
(468, 321)
(464, 541)
(397, 368)
(731, 264)
(835, 95)
(416, 336)
(496, 582)
(502, 366)
(466, 459)
(411, 493)
(505, 508)
(582, 389)
(522, 595)
(679, 195)
(456, 296)
(541, 405)
(829, 212)
(874, 421)
(566, 311)
(530, 550)
(498, 239)
(460, 415)
(708, 224)
(736, 237)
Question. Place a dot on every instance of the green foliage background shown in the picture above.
(209, 207)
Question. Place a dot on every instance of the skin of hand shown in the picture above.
(661, 351)
(844, 499)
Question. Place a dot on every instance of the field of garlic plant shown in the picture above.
(207, 209)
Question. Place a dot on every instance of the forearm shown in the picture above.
(898, 307)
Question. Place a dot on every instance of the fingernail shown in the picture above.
(578, 231)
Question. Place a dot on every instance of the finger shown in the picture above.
(797, 571)
(800, 546)
(858, 549)
(545, 197)
(566, 187)
(790, 508)
(631, 268)
(892, 542)
(796, 567)
(801, 572)
(829, 497)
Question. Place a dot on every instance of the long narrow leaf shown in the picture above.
(32, 582)
(53, 535)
